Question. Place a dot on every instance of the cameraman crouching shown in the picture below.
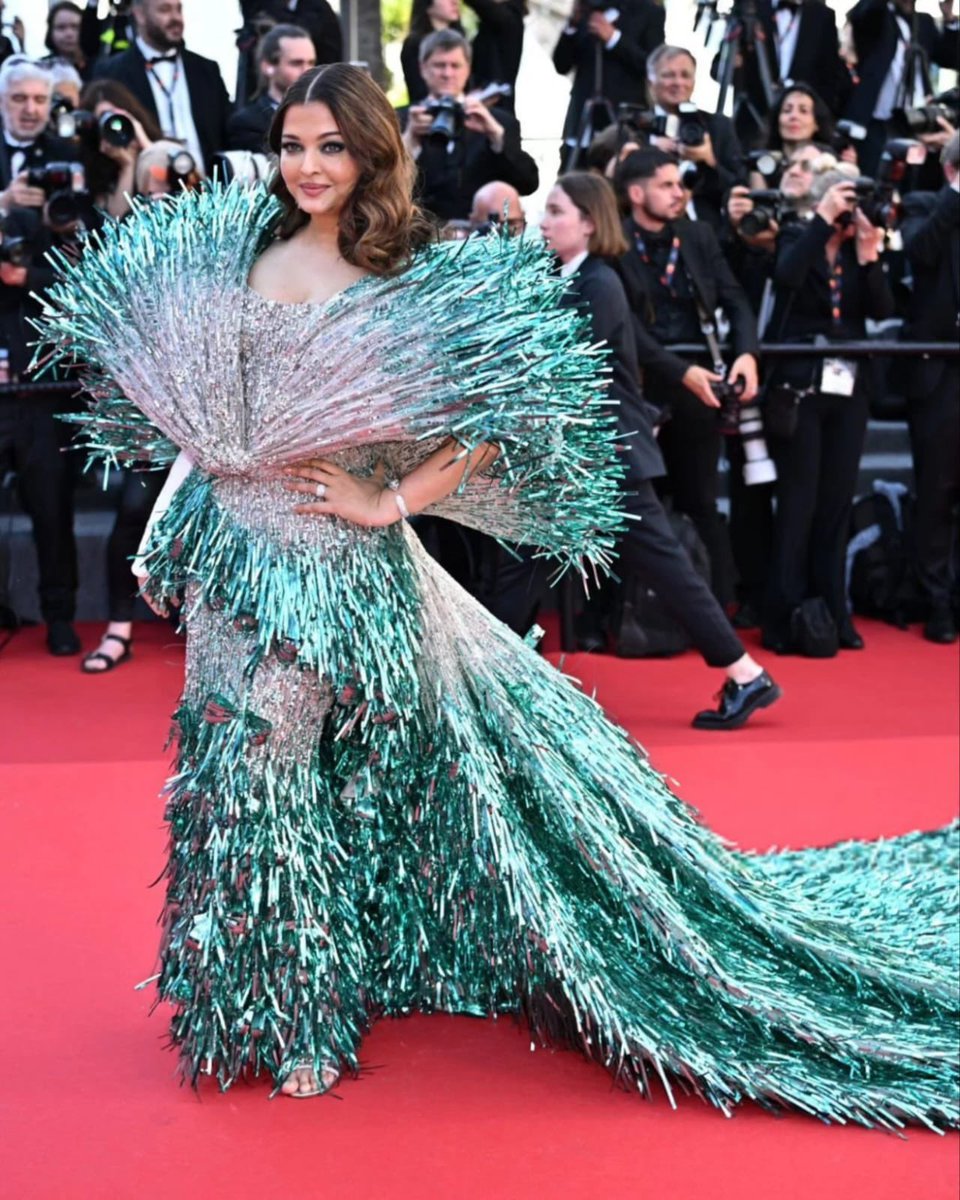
(828, 280)
(457, 141)
(32, 166)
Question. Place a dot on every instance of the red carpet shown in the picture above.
(451, 1109)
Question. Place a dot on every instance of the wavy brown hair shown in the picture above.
(380, 226)
(595, 199)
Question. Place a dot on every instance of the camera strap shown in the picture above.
(708, 327)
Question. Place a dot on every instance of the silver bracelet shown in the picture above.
(394, 486)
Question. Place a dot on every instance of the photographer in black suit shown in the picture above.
(283, 54)
(673, 268)
(882, 31)
(931, 239)
(618, 39)
(581, 225)
(480, 143)
(32, 439)
(709, 166)
(182, 90)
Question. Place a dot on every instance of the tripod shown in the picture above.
(916, 71)
(744, 37)
(597, 104)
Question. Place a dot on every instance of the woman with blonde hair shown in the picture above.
(384, 800)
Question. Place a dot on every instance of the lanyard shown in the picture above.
(666, 279)
(168, 91)
(836, 293)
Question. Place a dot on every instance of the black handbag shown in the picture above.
(780, 408)
(813, 631)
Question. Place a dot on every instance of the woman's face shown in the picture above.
(797, 122)
(315, 164)
(564, 227)
(444, 12)
(65, 32)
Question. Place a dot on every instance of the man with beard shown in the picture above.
(182, 90)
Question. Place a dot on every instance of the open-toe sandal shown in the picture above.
(99, 656)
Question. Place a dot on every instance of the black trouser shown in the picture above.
(690, 442)
(138, 495)
(816, 480)
(650, 550)
(32, 442)
(935, 438)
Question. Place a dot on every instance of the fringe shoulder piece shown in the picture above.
(471, 342)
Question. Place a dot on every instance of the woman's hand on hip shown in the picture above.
(334, 492)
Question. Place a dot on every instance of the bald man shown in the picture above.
(493, 200)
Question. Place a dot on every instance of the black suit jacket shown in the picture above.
(447, 181)
(499, 42)
(876, 33)
(816, 57)
(931, 241)
(247, 129)
(208, 96)
(641, 24)
(597, 290)
(712, 183)
(714, 281)
(45, 149)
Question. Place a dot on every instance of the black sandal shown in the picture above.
(99, 656)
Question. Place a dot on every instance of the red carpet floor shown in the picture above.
(451, 1109)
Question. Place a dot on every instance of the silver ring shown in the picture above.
(321, 490)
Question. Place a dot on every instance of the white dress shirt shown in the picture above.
(787, 23)
(568, 268)
(168, 82)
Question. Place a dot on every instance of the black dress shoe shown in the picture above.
(746, 617)
(848, 638)
(62, 638)
(940, 627)
(738, 702)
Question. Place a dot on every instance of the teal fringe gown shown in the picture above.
(384, 802)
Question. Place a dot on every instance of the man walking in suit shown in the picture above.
(676, 277)
(607, 51)
(931, 239)
(284, 53)
(183, 90)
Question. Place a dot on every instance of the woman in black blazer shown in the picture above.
(828, 280)
(581, 224)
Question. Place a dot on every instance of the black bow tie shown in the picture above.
(786, 6)
(171, 57)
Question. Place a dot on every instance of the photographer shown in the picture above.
(458, 142)
(110, 149)
(283, 54)
(828, 280)
(582, 227)
(611, 41)
(883, 30)
(426, 17)
(39, 211)
(711, 160)
(931, 240)
(676, 277)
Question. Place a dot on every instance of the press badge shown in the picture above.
(838, 377)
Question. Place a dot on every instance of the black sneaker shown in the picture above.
(738, 702)
(62, 638)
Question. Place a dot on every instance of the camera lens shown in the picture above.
(117, 130)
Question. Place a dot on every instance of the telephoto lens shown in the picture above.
(758, 466)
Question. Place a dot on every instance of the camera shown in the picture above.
(925, 118)
(14, 250)
(691, 128)
(688, 125)
(768, 163)
(767, 209)
(448, 115)
(65, 186)
(77, 125)
(847, 134)
(728, 392)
